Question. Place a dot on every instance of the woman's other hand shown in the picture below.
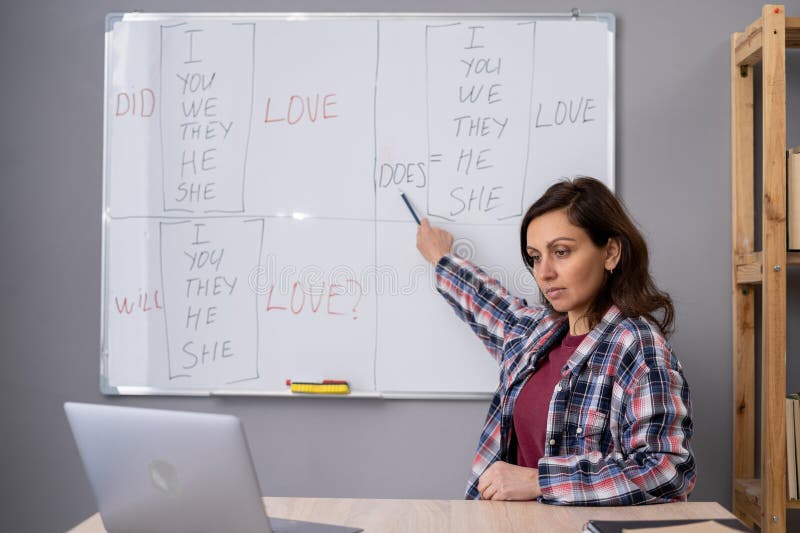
(504, 481)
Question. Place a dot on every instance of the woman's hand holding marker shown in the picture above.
(433, 242)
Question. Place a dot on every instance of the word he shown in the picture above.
(202, 353)
(126, 103)
(195, 192)
(472, 199)
(569, 112)
(469, 160)
(141, 303)
(297, 302)
(400, 173)
(193, 317)
(297, 108)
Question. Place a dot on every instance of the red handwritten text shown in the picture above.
(298, 108)
(145, 302)
(142, 103)
(338, 300)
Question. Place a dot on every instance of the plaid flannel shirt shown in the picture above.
(619, 424)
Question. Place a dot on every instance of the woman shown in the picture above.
(592, 406)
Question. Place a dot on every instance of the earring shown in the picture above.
(610, 271)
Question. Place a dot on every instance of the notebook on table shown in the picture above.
(704, 525)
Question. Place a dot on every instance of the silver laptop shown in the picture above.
(154, 470)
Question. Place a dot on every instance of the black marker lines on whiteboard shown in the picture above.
(211, 319)
(204, 129)
(190, 34)
(530, 115)
(284, 217)
(161, 113)
(428, 209)
(256, 372)
(375, 192)
(166, 322)
(475, 128)
(252, 99)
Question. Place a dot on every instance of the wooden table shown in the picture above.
(387, 516)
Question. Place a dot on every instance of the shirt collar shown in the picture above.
(611, 318)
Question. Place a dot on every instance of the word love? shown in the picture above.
(338, 298)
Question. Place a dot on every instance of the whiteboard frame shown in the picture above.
(112, 18)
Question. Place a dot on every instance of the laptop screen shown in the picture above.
(160, 470)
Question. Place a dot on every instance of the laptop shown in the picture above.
(155, 470)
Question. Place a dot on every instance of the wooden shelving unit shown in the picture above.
(761, 502)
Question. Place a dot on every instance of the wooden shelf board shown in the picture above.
(748, 275)
(748, 491)
(792, 32)
(746, 500)
(748, 43)
(749, 270)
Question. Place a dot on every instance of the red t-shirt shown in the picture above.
(533, 402)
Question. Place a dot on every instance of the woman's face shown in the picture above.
(569, 268)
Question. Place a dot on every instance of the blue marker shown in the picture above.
(408, 204)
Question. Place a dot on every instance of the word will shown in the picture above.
(146, 301)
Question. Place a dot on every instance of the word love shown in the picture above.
(566, 112)
(299, 108)
(332, 299)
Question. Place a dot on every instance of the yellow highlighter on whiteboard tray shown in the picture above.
(326, 386)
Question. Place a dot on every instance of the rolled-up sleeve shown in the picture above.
(479, 300)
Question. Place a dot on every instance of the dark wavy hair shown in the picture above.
(590, 205)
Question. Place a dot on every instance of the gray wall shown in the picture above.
(673, 171)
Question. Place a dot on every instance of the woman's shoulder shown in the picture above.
(641, 346)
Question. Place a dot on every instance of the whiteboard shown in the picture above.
(253, 229)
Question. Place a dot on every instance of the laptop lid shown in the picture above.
(156, 470)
